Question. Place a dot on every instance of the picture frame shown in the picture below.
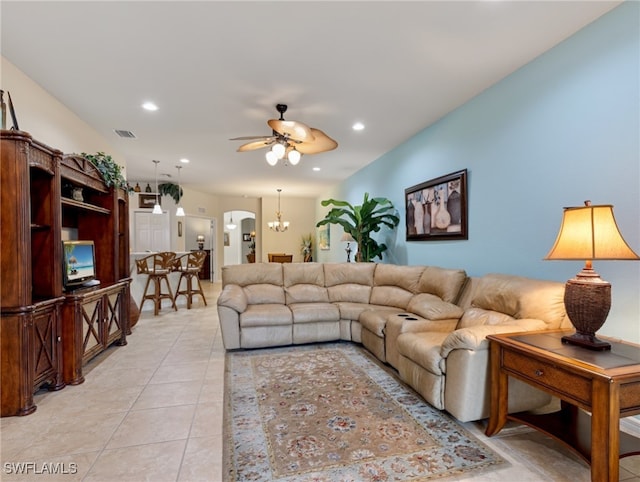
(246, 237)
(436, 210)
(324, 237)
(226, 239)
(148, 200)
(179, 229)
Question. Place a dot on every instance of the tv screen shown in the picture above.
(79, 263)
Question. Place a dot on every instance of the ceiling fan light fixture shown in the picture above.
(272, 159)
(278, 149)
(294, 157)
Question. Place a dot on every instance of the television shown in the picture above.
(79, 264)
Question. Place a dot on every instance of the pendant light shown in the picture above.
(179, 211)
(231, 225)
(157, 209)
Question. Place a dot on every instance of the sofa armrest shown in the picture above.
(234, 297)
(475, 337)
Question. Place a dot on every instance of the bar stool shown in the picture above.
(157, 267)
(189, 266)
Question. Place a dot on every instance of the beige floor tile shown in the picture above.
(153, 425)
(168, 395)
(182, 372)
(202, 460)
(208, 420)
(150, 462)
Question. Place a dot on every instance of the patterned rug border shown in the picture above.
(388, 380)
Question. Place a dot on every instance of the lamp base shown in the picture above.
(587, 300)
(584, 340)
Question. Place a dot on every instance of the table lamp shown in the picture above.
(347, 238)
(589, 232)
(200, 241)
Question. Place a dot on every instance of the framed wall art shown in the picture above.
(148, 200)
(437, 209)
(324, 237)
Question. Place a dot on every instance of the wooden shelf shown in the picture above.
(81, 205)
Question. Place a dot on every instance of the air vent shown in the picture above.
(125, 134)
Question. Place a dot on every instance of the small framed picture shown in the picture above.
(246, 237)
(148, 200)
(226, 239)
(179, 229)
(437, 209)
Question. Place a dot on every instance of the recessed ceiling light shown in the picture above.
(358, 126)
(316, 168)
(149, 106)
(184, 160)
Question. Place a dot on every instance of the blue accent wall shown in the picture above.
(560, 130)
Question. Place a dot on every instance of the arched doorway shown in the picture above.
(237, 240)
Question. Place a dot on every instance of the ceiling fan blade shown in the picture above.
(252, 146)
(248, 138)
(321, 143)
(297, 131)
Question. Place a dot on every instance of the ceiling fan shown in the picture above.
(289, 140)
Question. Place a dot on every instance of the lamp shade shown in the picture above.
(347, 238)
(590, 232)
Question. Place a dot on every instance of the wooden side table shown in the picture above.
(605, 384)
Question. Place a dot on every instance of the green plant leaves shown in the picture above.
(361, 221)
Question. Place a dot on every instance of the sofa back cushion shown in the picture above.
(349, 282)
(395, 285)
(304, 283)
(445, 283)
(252, 273)
(521, 298)
(261, 282)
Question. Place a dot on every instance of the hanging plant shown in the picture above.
(110, 171)
(361, 221)
(170, 189)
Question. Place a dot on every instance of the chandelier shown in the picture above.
(279, 225)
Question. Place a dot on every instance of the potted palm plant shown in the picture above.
(360, 221)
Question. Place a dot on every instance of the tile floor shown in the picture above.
(152, 410)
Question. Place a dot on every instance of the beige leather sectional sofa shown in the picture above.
(428, 323)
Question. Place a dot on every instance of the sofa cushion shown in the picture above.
(479, 316)
(352, 311)
(375, 319)
(433, 308)
(446, 284)
(405, 277)
(314, 312)
(266, 315)
(306, 293)
(423, 349)
(264, 293)
(303, 273)
(347, 273)
(349, 292)
(522, 297)
(233, 296)
(253, 273)
(349, 282)
(391, 296)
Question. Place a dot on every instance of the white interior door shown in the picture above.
(151, 232)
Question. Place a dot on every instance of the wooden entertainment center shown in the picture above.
(47, 334)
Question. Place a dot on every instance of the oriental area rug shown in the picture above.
(331, 412)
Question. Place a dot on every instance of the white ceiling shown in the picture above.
(217, 69)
